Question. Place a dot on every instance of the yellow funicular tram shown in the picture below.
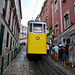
(36, 38)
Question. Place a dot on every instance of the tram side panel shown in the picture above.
(36, 43)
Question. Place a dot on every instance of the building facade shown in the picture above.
(23, 34)
(46, 16)
(10, 21)
(63, 21)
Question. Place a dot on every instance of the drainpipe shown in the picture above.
(61, 16)
(61, 20)
(74, 11)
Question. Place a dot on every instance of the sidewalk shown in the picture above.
(19, 66)
(68, 69)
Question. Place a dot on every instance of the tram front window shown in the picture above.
(44, 28)
(37, 28)
(30, 27)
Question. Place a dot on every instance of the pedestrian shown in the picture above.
(56, 48)
(63, 52)
(60, 48)
(50, 49)
(24, 43)
(53, 56)
(67, 49)
(47, 49)
(71, 54)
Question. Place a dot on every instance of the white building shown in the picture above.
(10, 21)
(23, 34)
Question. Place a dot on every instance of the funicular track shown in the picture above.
(43, 66)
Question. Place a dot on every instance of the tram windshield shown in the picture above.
(37, 28)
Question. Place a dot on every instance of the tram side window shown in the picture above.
(37, 28)
(30, 27)
(44, 28)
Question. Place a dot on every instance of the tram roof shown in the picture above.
(37, 22)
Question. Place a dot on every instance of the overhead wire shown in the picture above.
(57, 19)
(35, 8)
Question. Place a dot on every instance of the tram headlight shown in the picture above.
(37, 37)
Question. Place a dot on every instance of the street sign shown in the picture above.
(51, 36)
(47, 31)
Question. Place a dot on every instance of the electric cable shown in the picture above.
(35, 8)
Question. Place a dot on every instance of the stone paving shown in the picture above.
(19, 66)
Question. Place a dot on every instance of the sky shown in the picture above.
(30, 8)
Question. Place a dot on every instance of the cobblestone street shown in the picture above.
(19, 66)
(22, 66)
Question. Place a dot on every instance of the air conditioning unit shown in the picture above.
(63, 1)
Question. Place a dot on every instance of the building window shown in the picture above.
(7, 39)
(43, 13)
(9, 16)
(24, 32)
(20, 35)
(1, 38)
(10, 43)
(20, 31)
(4, 8)
(23, 35)
(56, 29)
(41, 18)
(46, 8)
(56, 5)
(12, 23)
(66, 19)
(13, 43)
(22, 27)
(46, 19)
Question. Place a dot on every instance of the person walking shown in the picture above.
(50, 49)
(60, 48)
(63, 52)
(71, 54)
(67, 49)
(53, 56)
(56, 48)
(47, 49)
